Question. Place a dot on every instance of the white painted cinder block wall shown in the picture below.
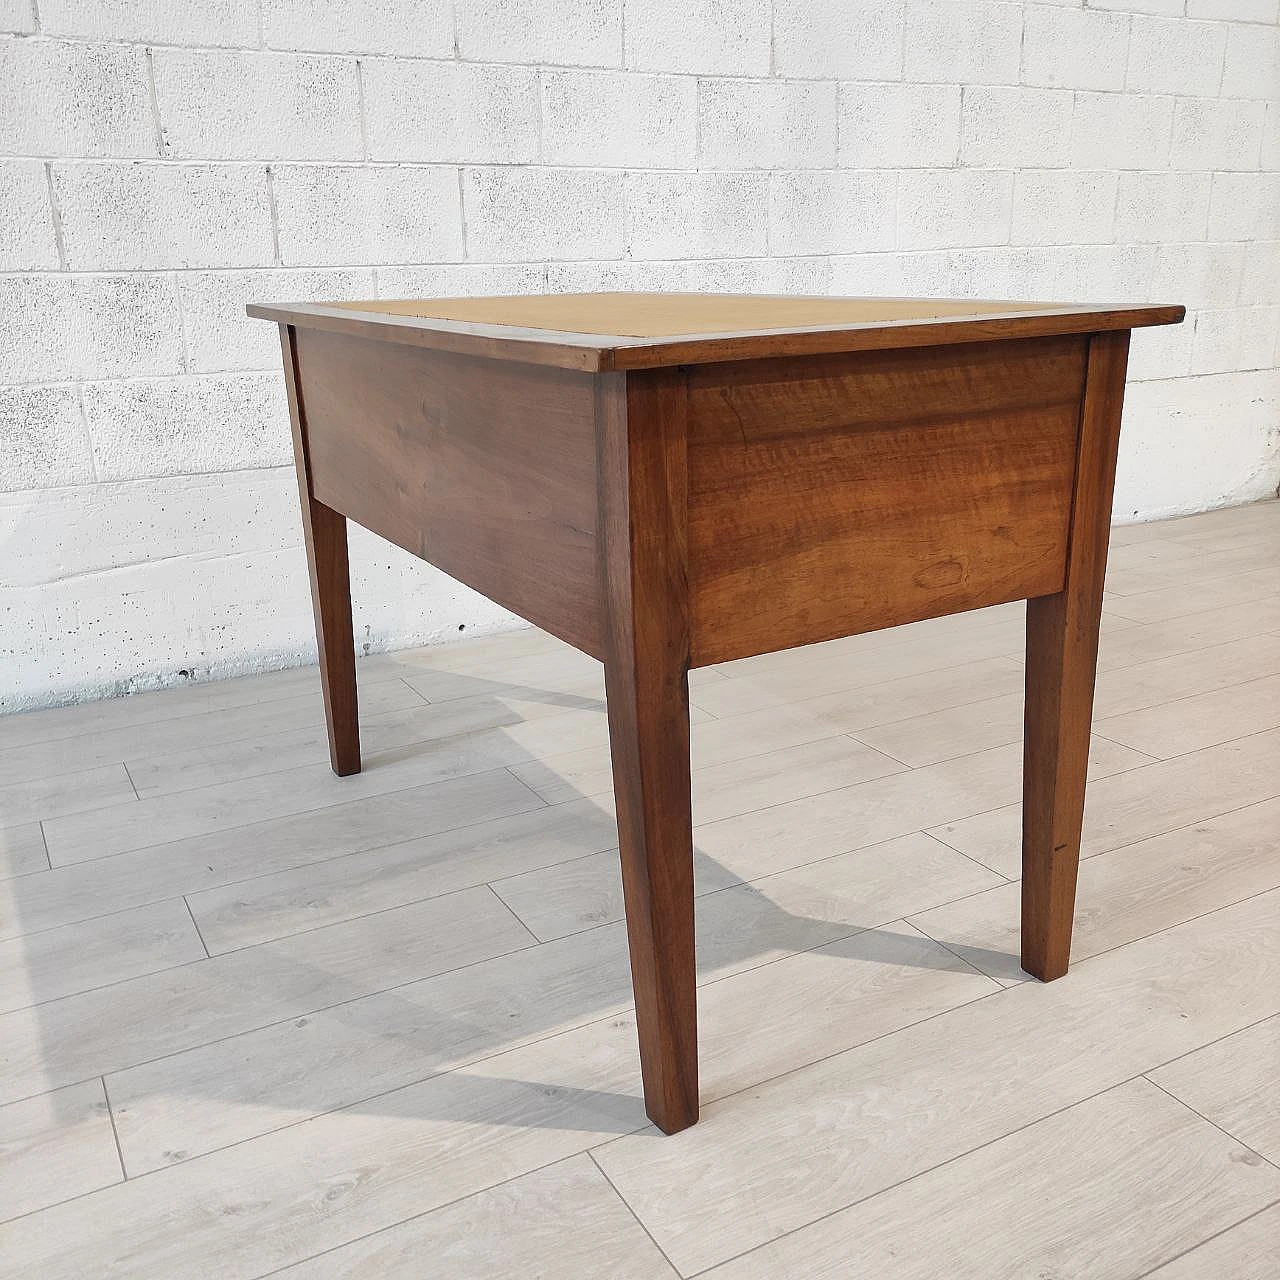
(162, 163)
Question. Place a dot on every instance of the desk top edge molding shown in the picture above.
(595, 351)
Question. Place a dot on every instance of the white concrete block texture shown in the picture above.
(163, 164)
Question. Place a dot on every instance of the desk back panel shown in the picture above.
(852, 492)
(481, 467)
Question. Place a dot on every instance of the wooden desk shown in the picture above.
(672, 480)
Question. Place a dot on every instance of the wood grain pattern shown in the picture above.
(325, 533)
(1062, 658)
(757, 327)
(643, 497)
(486, 470)
(850, 493)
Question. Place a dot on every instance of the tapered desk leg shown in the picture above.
(1062, 656)
(325, 532)
(643, 505)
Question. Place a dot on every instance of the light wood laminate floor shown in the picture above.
(258, 1020)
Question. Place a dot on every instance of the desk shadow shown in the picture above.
(361, 1049)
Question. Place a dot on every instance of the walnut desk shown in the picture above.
(667, 481)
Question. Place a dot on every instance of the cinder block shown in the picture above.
(1197, 275)
(339, 215)
(1252, 65)
(1089, 272)
(560, 32)
(1235, 10)
(832, 212)
(63, 99)
(1235, 338)
(139, 216)
(220, 337)
(1162, 206)
(735, 275)
(459, 280)
(619, 118)
(838, 39)
(1216, 133)
(45, 440)
(26, 217)
(1028, 274)
(707, 37)
(1063, 206)
(1167, 8)
(1245, 206)
(17, 16)
(953, 208)
(590, 277)
(179, 426)
(905, 126)
(963, 41)
(1121, 131)
(198, 22)
(518, 215)
(1173, 55)
(1271, 137)
(244, 105)
(1071, 48)
(1016, 127)
(1164, 466)
(450, 111)
(1163, 352)
(697, 215)
(59, 326)
(1260, 280)
(751, 124)
(360, 26)
(889, 275)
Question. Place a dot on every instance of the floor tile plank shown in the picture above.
(225, 806)
(78, 957)
(1126, 893)
(1191, 724)
(55, 1146)
(111, 1028)
(22, 850)
(1247, 1251)
(903, 1104)
(98, 887)
(1138, 803)
(41, 799)
(564, 1220)
(1107, 1188)
(1233, 1084)
(232, 728)
(241, 1087)
(341, 888)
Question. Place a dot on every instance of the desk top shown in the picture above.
(603, 331)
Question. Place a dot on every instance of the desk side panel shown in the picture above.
(843, 494)
(484, 468)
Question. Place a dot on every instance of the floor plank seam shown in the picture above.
(1182, 1102)
(473, 1061)
(920, 1173)
(950, 949)
(507, 907)
(195, 924)
(1160, 1266)
(675, 1271)
(133, 785)
(115, 1133)
(300, 813)
(414, 1217)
